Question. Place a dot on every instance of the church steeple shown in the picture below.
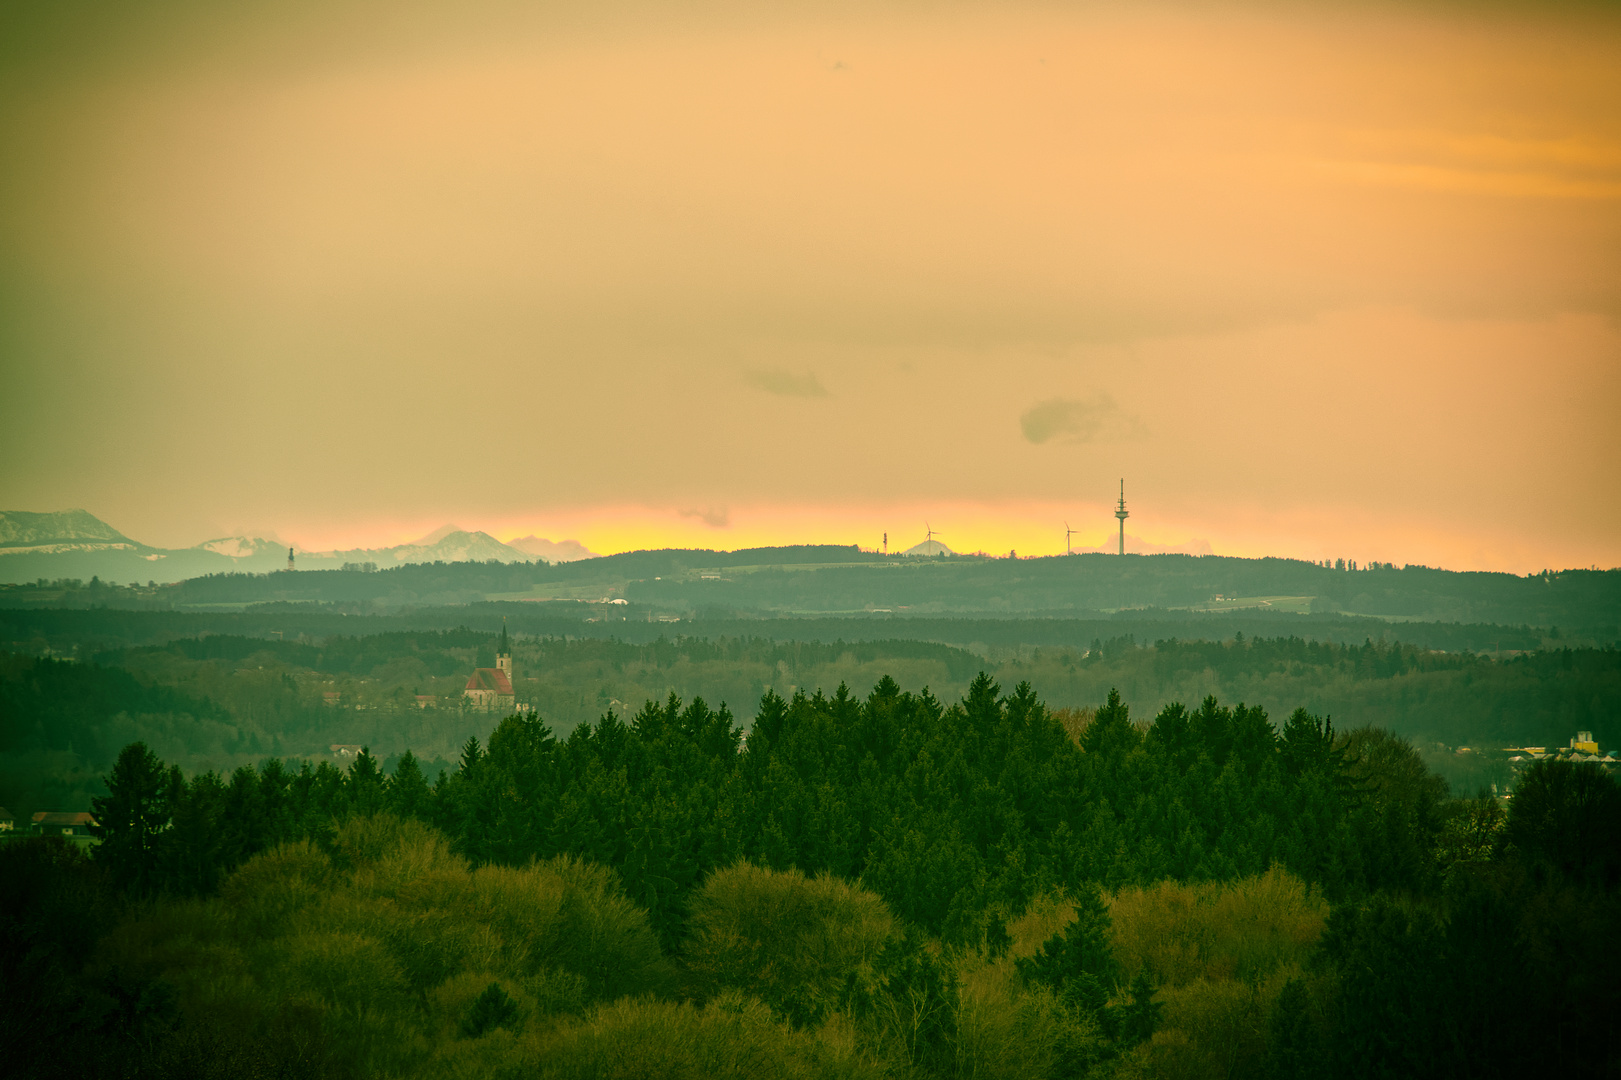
(503, 651)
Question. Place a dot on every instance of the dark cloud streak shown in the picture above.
(1073, 420)
(787, 384)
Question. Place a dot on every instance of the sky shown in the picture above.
(1315, 280)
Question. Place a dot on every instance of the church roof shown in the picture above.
(489, 678)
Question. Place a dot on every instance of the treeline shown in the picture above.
(448, 651)
(50, 704)
(951, 813)
(831, 579)
(1587, 599)
(217, 700)
(878, 886)
(85, 632)
(1540, 698)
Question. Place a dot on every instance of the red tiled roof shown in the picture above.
(489, 678)
(62, 817)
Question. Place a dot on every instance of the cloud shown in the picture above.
(786, 383)
(717, 517)
(1070, 420)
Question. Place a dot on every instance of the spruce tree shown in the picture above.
(493, 1009)
(131, 817)
(1077, 964)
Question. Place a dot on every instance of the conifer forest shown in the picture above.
(877, 884)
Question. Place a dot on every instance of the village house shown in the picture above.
(62, 823)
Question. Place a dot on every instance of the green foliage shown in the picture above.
(1246, 929)
(822, 578)
(53, 903)
(240, 696)
(888, 883)
(493, 1009)
(130, 820)
(48, 704)
(1135, 1019)
(950, 814)
(388, 923)
(1567, 819)
(792, 941)
(916, 1004)
(731, 1040)
(1501, 980)
(1297, 1050)
(1078, 964)
(1470, 834)
(408, 793)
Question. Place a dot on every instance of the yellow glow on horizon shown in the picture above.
(1033, 530)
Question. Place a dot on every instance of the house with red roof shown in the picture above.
(62, 823)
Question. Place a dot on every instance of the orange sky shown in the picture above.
(1324, 281)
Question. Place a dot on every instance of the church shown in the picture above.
(490, 689)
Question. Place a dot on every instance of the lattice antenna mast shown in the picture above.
(1121, 513)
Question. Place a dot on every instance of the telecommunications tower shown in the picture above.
(1121, 513)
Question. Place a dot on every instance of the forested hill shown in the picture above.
(865, 887)
(823, 581)
(85, 631)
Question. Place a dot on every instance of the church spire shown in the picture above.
(503, 651)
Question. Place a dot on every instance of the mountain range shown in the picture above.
(77, 544)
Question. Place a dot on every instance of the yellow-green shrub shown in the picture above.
(1008, 1030)
(791, 940)
(270, 890)
(1047, 915)
(1240, 930)
(731, 1038)
(365, 959)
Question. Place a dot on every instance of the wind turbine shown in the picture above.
(1068, 532)
(928, 531)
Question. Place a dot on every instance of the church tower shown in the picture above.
(503, 653)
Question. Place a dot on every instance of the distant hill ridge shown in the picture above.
(23, 528)
(455, 545)
(70, 544)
